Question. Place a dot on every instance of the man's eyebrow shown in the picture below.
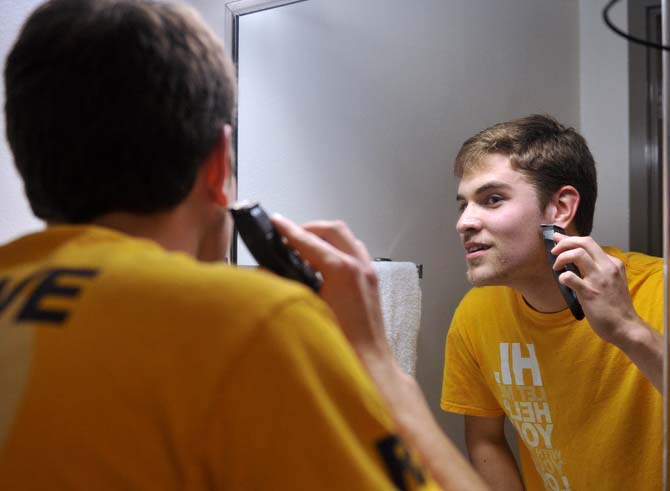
(486, 187)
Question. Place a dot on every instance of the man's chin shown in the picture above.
(478, 278)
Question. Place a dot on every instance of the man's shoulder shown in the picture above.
(138, 275)
(635, 259)
(483, 305)
(640, 268)
(165, 273)
(486, 295)
(216, 292)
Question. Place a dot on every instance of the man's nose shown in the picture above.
(468, 221)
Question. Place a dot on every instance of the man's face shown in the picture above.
(500, 225)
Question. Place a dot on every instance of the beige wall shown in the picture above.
(15, 215)
(603, 65)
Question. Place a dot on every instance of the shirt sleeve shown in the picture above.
(464, 388)
(299, 412)
(647, 293)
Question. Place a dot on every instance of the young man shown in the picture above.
(128, 359)
(582, 395)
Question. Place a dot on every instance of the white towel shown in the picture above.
(401, 308)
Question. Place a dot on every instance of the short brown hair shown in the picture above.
(113, 105)
(549, 154)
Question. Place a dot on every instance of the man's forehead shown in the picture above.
(487, 164)
(493, 170)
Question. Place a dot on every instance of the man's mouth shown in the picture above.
(473, 250)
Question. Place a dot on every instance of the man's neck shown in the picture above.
(169, 229)
(542, 294)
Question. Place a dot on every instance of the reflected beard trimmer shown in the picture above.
(569, 295)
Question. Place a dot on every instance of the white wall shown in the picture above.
(604, 116)
(15, 215)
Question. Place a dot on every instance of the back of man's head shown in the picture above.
(549, 154)
(113, 105)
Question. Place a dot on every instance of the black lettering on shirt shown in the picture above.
(48, 286)
(399, 464)
(7, 298)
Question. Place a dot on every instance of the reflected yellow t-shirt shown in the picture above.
(123, 366)
(586, 417)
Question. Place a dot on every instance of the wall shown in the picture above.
(15, 215)
(604, 116)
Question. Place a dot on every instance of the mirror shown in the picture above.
(355, 110)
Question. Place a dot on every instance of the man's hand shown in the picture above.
(605, 298)
(349, 280)
(602, 290)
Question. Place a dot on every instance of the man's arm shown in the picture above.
(604, 295)
(350, 288)
(417, 425)
(490, 454)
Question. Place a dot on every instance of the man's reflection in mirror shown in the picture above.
(583, 396)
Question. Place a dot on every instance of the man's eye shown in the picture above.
(461, 207)
(493, 199)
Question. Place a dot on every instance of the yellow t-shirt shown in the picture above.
(586, 417)
(123, 366)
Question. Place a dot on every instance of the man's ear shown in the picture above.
(563, 206)
(217, 169)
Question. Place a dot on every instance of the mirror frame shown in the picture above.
(666, 233)
(665, 21)
(234, 11)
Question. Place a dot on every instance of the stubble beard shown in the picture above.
(487, 271)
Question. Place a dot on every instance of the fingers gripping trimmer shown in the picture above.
(569, 295)
(268, 247)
